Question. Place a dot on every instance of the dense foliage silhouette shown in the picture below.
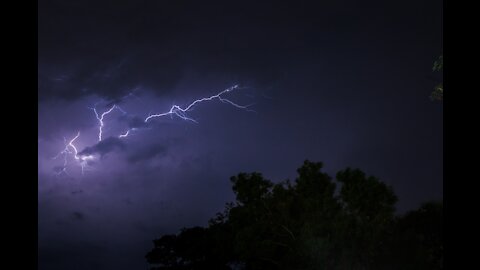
(309, 224)
(437, 94)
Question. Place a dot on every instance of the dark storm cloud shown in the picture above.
(104, 147)
(114, 50)
(83, 52)
(78, 216)
(146, 70)
(76, 192)
(147, 153)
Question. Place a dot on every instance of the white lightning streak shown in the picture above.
(100, 119)
(124, 134)
(182, 112)
(66, 151)
(71, 149)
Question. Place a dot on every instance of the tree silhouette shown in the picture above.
(437, 94)
(307, 224)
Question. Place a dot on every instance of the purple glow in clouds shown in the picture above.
(84, 156)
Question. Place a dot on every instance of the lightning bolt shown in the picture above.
(65, 153)
(125, 134)
(69, 145)
(178, 111)
(182, 112)
(101, 116)
(71, 149)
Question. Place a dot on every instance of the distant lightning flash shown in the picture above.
(69, 145)
(124, 134)
(182, 112)
(71, 149)
(100, 119)
(67, 151)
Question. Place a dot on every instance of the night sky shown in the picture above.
(343, 82)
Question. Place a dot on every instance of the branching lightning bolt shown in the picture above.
(71, 149)
(179, 111)
(182, 112)
(67, 151)
(100, 119)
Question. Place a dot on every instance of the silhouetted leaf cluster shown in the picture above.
(437, 94)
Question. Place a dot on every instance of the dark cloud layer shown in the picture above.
(103, 147)
(147, 153)
(78, 216)
(152, 45)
